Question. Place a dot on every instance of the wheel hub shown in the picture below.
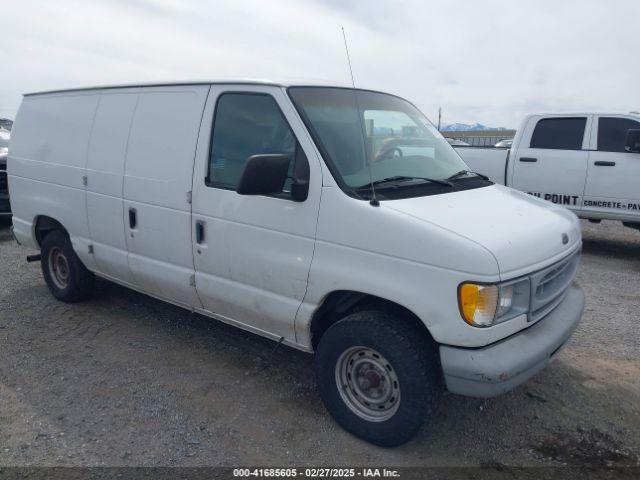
(59, 267)
(368, 384)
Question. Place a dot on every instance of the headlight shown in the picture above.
(486, 305)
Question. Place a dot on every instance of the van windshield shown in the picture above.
(369, 137)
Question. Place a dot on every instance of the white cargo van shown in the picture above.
(587, 162)
(335, 220)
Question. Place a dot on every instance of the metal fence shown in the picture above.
(485, 138)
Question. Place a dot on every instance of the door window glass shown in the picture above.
(246, 124)
(559, 133)
(612, 133)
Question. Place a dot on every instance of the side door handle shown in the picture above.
(528, 159)
(199, 232)
(133, 218)
(605, 164)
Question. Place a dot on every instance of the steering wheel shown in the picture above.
(391, 152)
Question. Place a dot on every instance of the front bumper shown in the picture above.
(502, 366)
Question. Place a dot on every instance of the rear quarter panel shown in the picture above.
(46, 163)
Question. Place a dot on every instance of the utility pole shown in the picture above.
(439, 117)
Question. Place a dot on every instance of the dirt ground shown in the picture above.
(124, 379)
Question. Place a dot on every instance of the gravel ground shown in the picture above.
(124, 379)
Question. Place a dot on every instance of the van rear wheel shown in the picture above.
(378, 376)
(64, 273)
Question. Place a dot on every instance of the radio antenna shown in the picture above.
(374, 201)
(346, 48)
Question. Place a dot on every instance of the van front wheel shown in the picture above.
(378, 377)
(65, 275)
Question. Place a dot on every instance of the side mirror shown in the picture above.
(264, 174)
(300, 180)
(299, 190)
(632, 143)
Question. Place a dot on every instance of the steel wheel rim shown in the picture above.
(59, 267)
(368, 384)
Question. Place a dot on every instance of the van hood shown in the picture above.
(522, 232)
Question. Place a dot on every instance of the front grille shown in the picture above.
(3, 182)
(549, 286)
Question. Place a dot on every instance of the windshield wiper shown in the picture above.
(403, 178)
(462, 173)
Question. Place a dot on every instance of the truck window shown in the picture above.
(612, 133)
(246, 124)
(559, 133)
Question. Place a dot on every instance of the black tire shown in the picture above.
(406, 351)
(78, 281)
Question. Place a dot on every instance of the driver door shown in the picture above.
(252, 254)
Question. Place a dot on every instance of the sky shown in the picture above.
(489, 61)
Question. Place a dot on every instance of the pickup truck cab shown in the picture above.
(334, 220)
(587, 162)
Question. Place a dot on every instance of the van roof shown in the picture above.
(219, 81)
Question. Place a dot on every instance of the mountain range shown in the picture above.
(463, 127)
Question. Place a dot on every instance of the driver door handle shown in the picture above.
(605, 164)
(528, 159)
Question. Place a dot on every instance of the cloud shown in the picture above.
(490, 61)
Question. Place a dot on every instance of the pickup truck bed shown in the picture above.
(490, 161)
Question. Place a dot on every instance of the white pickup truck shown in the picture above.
(588, 162)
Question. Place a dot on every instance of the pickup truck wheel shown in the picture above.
(65, 275)
(377, 377)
